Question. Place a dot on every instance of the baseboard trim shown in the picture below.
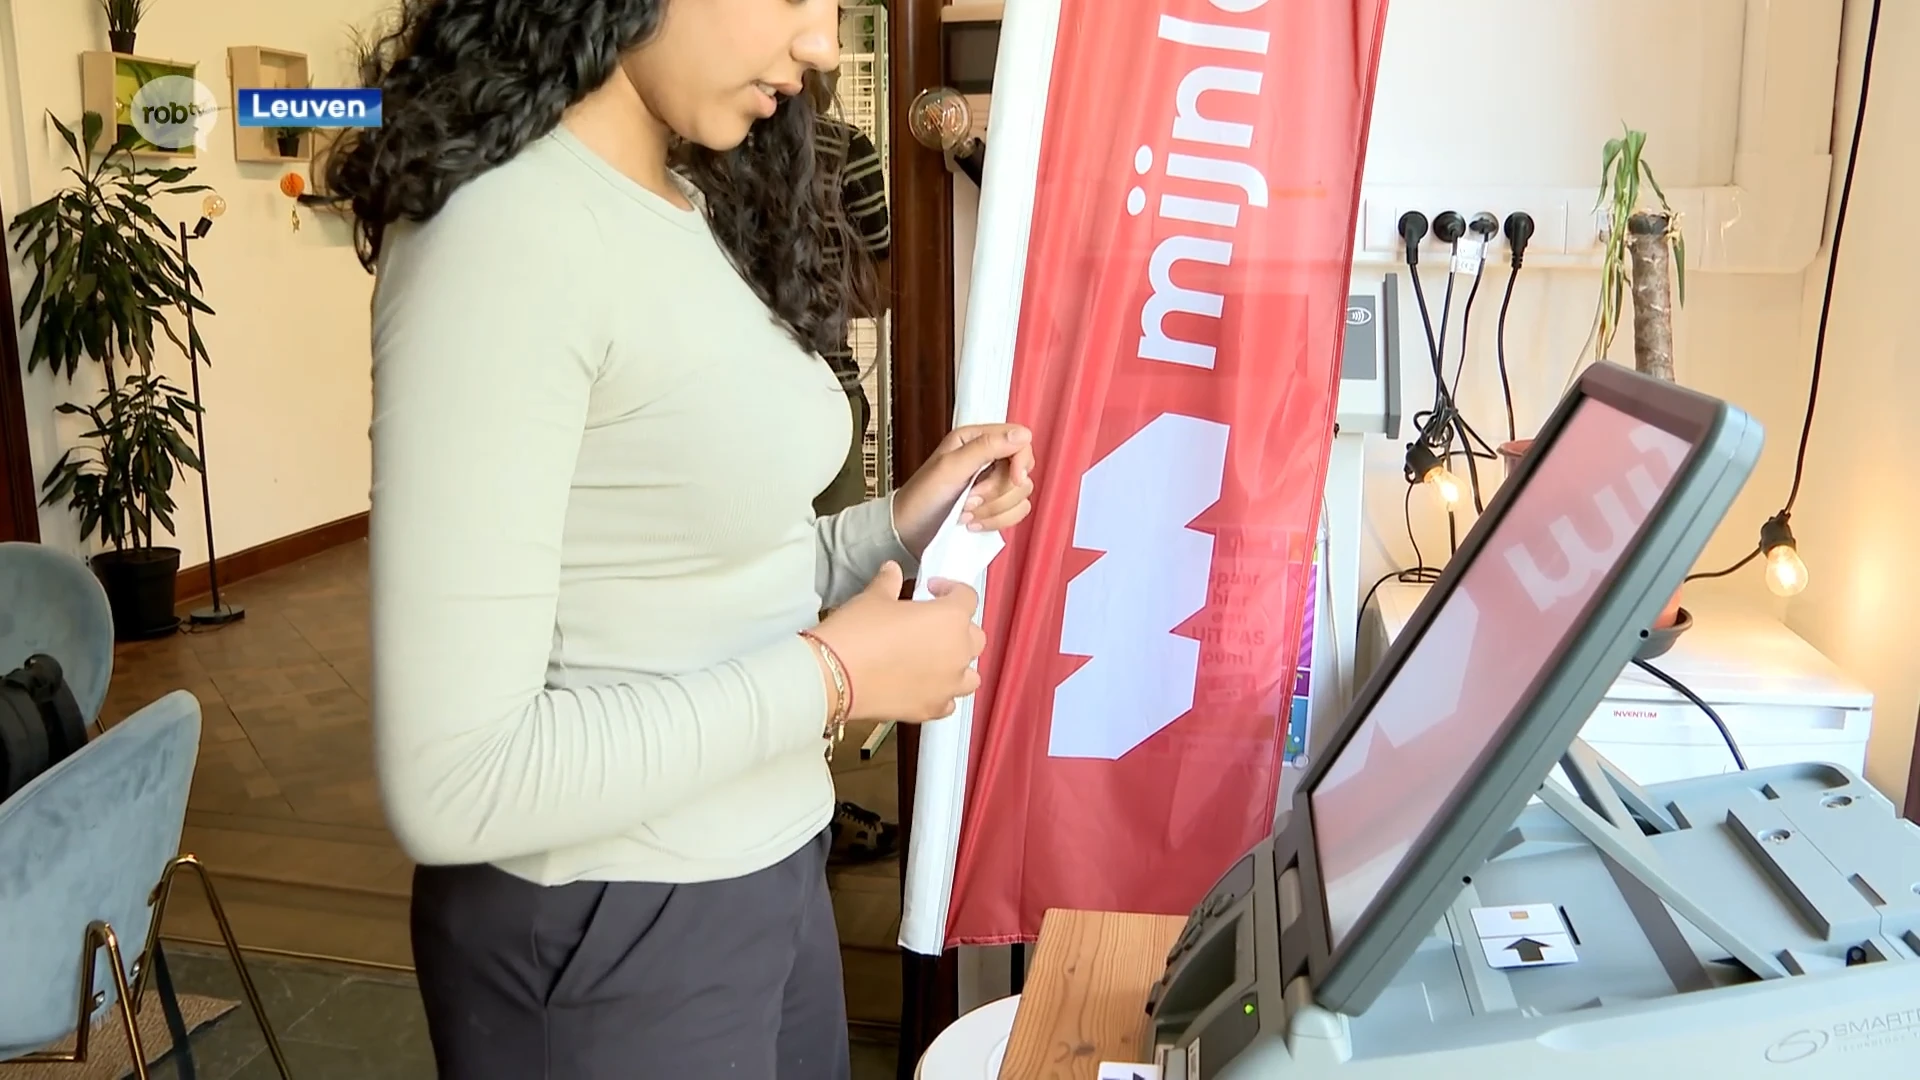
(272, 555)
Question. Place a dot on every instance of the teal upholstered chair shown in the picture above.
(51, 604)
(88, 849)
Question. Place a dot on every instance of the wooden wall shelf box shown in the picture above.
(256, 67)
(100, 93)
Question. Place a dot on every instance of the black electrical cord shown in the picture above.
(1826, 295)
(1440, 391)
(1420, 574)
(1686, 692)
(1518, 229)
(1426, 321)
(1483, 234)
(1483, 229)
(1466, 322)
(1734, 569)
(1500, 354)
(1420, 568)
(1448, 228)
(1833, 255)
(1439, 425)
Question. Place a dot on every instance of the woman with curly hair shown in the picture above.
(603, 695)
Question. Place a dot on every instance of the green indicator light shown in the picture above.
(1248, 1007)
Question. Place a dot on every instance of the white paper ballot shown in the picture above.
(1517, 921)
(1524, 935)
(957, 553)
(1530, 950)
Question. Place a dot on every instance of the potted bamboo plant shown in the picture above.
(123, 21)
(106, 282)
(1646, 257)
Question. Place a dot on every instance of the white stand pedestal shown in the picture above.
(973, 1047)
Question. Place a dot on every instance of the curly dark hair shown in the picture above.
(467, 84)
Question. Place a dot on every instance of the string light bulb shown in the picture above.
(1786, 571)
(1425, 467)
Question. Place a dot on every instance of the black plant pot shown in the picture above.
(139, 584)
(289, 145)
(120, 40)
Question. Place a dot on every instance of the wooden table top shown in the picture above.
(1086, 992)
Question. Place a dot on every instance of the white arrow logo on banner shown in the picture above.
(1152, 576)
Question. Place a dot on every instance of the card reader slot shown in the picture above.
(1210, 971)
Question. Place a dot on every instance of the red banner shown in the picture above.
(1181, 324)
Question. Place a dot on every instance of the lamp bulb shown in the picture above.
(940, 119)
(1786, 571)
(1447, 484)
(213, 205)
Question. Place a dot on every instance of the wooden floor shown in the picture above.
(286, 814)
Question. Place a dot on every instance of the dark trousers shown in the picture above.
(622, 981)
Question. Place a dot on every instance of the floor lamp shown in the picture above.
(217, 613)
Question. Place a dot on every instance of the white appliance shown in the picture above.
(1368, 406)
(1783, 701)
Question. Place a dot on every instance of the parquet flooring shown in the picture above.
(286, 813)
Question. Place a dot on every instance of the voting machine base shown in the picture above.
(1761, 923)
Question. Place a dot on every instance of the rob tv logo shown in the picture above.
(308, 107)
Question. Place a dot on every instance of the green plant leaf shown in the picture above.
(66, 132)
(1680, 264)
(1608, 155)
(1647, 170)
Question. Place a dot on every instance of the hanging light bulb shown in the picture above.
(1786, 571)
(1425, 467)
(1447, 484)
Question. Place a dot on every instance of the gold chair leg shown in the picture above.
(161, 894)
(129, 1015)
(101, 936)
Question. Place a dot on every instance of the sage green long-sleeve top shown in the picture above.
(593, 547)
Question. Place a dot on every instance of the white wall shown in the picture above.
(1858, 518)
(288, 394)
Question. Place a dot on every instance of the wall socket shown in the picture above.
(1565, 232)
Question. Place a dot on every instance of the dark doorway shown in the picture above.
(19, 516)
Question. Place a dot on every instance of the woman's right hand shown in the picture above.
(907, 660)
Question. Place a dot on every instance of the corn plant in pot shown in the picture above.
(106, 282)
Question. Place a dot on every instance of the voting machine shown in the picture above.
(1434, 906)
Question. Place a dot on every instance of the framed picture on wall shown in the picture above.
(111, 85)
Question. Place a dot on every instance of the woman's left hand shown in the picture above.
(999, 499)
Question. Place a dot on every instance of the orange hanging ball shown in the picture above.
(292, 184)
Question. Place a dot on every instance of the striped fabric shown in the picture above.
(845, 151)
(846, 154)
